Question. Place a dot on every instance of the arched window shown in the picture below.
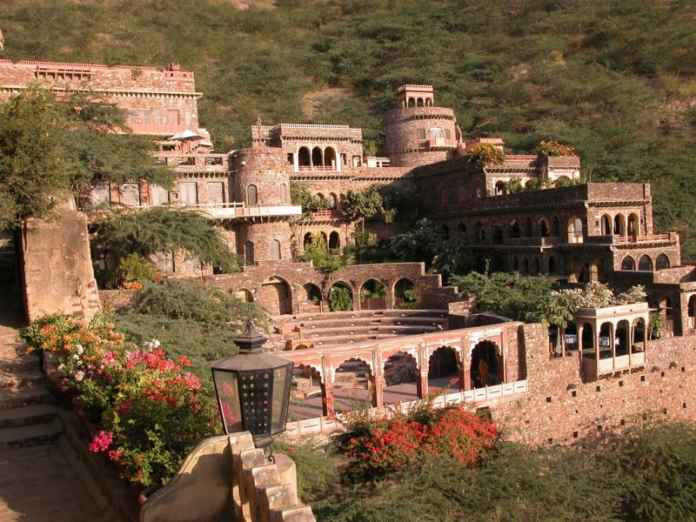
(329, 157)
(411, 102)
(252, 196)
(420, 102)
(633, 226)
(461, 228)
(619, 225)
(332, 202)
(628, 263)
(575, 230)
(556, 227)
(276, 250)
(317, 157)
(543, 228)
(334, 241)
(428, 102)
(303, 157)
(662, 262)
(645, 264)
(249, 253)
(500, 188)
(606, 225)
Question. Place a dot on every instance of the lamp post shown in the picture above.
(253, 388)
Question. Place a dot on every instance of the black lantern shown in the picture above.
(253, 388)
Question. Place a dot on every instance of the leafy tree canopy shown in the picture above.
(49, 147)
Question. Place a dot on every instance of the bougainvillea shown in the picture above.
(145, 405)
(399, 443)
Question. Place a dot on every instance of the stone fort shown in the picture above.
(607, 369)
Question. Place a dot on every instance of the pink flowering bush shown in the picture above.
(147, 406)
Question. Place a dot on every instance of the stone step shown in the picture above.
(27, 415)
(329, 316)
(19, 363)
(20, 378)
(346, 340)
(34, 394)
(31, 435)
(361, 331)
(368, 321)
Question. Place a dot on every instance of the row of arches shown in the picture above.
(535, 265)
(354, 384)
(332, 241)
(542, 227)
(317, 157)
(619, 225)
(645, 263)
(418, 102)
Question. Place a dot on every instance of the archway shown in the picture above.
(303, 157)
(244, 295)
(305, 393)
(645, 264)
(329, 157)
(275, 296)
(556, 227)
(332, 201)
(443, 370)
(528, 228)
(461, 228)
(312, 294)
(405, 294)
(543, 228)
(317, 157)
(515, 230)
(400, 378)
(497, 236)
(588, 341)
(633, 227)
(307, 242)
(420, 102)
(352, 386)
(639, 335)
(575, 230)
(570, 338)
(340, 297)
(500, 188)
(619, 225)
(276, 250)
(411, 102)
(628, 263)
(324, 240)
(605, 336)
(334, 241)
(486, 365)
(373, 295)
(606, 225)
(667, 316)
(252, 196)
(692, 312)
(623, 334)
(662, 262)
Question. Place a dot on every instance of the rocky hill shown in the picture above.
(614, 78)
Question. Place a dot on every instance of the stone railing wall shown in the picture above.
(227, 478)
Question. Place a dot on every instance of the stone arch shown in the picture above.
(500, 188)
(633, 226)
(606, 333)
(645, 264)
(304, 157)
(445, 231)
(312, 293)
(574, 230)
(324, 239)
(306, 383)
(628, 263)
(244, 295)
(334, 241)
(317, 157)
(691, 312)
(570, 337)
(556, 227)
(461, 228)
(373, 295)
(662, 262)
(623, 337)
(588, 338)
(486, 365)
(606, 227)
(444, 368)
(619, 225)
(307, 241)
(411, 102)
(428, 102)
(401, 377)
(515, 230)
(543, 227)
(340, 297)
(330, 157)
(252, 193)
(405, 294)
(419, 102)
(332, 201)
(497, 236)
(276, 296)
(639, 334)
(249, 256)
(276, 250)
(352, 384)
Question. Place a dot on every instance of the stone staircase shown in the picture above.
(42, 476)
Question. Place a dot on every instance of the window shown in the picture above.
(252, 195)
(276, 250)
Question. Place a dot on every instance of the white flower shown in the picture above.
(79, 375)
(76, 357)
(80, 350)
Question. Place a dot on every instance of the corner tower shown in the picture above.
(418, 132)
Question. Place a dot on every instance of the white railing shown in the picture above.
(326, 425)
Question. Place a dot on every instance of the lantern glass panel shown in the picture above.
(280, 389)
(228, 399)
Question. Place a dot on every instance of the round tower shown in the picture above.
(261, 182)
(418, 132)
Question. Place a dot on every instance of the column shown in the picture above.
(465, 370)
(596, 348)
(630, 342)
(296, 161)
(338, 162)
(377, 392)
(612, 341)
(423, 390)
(327, 398)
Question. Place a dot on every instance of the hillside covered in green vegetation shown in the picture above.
(615, 78)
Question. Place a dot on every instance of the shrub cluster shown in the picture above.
(146, 407)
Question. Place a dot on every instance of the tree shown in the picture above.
(49, 148)
(161, 230)
(321, 258)
(300, 195)
(363, 205)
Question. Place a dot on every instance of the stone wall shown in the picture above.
(57, 266)
(226, 478)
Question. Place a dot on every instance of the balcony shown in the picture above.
(238, 210)
(195, 163)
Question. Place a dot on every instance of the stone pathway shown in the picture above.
(40, 480)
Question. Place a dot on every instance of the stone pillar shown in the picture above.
(423, 384)
(296, 161)
(465, 369)
(596, 348)
(338, 161)
(377, 395)
(612, 342)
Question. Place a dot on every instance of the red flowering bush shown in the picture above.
(378, 448)
(146, 404)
